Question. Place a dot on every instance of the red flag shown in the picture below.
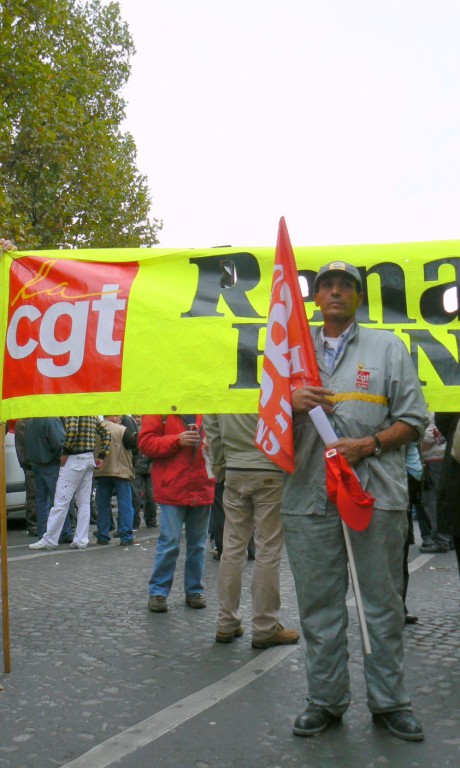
(344, 490)
(289, 357)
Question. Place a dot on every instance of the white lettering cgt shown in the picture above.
(74, 344)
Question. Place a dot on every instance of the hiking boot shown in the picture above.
(281, 637)
(195, 600)
(158, 604)
(228, 637)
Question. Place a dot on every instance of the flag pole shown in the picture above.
(356, 590)
(4, 556)
(328, 436)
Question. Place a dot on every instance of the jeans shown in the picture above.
(196, 521)
(106, 487)
(46, 477)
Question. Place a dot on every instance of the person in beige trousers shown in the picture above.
(252, 497)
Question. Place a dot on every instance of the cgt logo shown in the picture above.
(66, 326)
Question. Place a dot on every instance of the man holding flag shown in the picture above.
(367, 385)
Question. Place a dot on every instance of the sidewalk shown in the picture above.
(89, 662)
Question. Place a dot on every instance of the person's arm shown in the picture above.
(355, 449)
(130, 438)
(71, 432)
(306, 398)
(55, 434)
(7, 245)
(105, 439)
(215, 446)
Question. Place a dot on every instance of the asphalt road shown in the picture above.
(97, 680)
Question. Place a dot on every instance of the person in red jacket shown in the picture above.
(184, 489)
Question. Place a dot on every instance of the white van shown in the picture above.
(15, 481)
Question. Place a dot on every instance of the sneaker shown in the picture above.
(158, 604)
(74, 545)
(281, 637)
(228, 637)
(41, 545)
(195, 600)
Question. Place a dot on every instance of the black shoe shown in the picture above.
(433, 548)
(313, 720)
(100, 541)
(410, 619)
(153, 524)
(126, 543)
(66, 540)
(401, 724)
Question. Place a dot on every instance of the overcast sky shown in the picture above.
(341, 115)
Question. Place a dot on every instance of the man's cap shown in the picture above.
(337, 266)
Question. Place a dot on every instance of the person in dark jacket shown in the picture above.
(29, 475)
(44, 439)
(144, 489)
(184, 489)
(449, 483)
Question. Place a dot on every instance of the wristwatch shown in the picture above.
(378, 450)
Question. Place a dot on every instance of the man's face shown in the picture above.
(338, 298)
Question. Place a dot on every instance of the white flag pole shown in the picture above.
(328, 436)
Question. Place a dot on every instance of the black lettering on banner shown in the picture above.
(444, 363)
(392, 292)
(432, 300)
(211, 286)
(248, 352)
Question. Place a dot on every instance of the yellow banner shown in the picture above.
(165, 331)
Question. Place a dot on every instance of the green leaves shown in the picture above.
(69, 174)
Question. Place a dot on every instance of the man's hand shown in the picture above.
(189, 438)
(98, 463)
(306, 398)
(7, 245)
(353, 449)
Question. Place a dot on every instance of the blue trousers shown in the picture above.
(107, 487)
(196, 520)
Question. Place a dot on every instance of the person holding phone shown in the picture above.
(184, 490)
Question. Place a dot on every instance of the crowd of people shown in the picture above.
(183, 464)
